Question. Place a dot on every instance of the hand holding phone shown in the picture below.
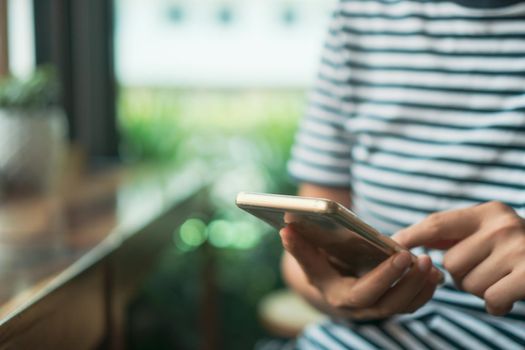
(398, 285)
(359, 272)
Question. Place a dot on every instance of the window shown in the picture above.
(218, 86)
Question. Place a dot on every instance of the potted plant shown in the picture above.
(32, 131)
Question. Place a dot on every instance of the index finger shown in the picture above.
(440, 230)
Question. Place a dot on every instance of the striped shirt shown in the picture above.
(419, 107)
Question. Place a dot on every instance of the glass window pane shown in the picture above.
(218, 86)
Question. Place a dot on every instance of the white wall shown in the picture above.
(257, 49)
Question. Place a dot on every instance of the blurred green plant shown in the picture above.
(156, 122)
(41, 90)
(241, 140)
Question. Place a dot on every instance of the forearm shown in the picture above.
(292, 272)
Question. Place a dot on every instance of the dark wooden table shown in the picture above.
(70, 260)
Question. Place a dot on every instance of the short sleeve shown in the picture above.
(321, 153)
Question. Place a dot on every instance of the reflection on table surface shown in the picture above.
(47, 239)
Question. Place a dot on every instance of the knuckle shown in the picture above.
(472, 286)
(518, 251)
(434, 221)
(499, 207)
(451, 264)
(513, 222)
(495, 300)
(507, 227)
(499, 233)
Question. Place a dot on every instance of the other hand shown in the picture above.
(485, 251)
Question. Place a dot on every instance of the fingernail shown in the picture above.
(402, 260)
(398, 236)
(423, 264)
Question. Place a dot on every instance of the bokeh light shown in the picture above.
(221, 233)
(191, 234)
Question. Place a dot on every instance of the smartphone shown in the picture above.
(352, 246)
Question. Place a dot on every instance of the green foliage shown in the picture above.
(178, 125)
(41, 90)
(149, 124)
(241, 141)
(173, 308)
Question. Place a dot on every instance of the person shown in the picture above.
(417, 123)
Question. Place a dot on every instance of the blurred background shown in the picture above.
(217, 86)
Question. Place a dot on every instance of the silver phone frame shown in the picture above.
(321, 206)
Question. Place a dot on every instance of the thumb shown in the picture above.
(440, 230)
